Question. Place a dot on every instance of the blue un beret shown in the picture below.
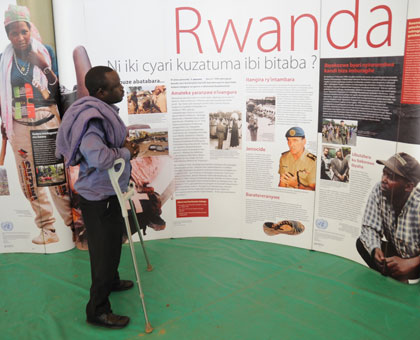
(295, 132)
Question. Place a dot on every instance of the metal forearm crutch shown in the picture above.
(122, 198)
(127, 196)
(136, 222)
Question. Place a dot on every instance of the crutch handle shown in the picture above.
(114, 177)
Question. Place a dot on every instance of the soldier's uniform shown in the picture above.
(304, 168)
(342, 132)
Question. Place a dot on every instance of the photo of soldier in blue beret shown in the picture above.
(297, 166)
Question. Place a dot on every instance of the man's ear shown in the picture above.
(409, 186)
(99, 93)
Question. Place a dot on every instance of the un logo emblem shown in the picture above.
(7, 226)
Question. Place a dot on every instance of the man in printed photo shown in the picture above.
(297, 167)
(340, 167)
(390, 236)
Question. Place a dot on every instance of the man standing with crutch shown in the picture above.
(93, 135)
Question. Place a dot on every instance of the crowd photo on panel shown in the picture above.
(260, 118)
(339, 131)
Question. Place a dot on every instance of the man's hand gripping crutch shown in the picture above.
(123, 198)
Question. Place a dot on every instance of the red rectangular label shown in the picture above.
(411, 73)
(28, 91)
(31, 110)
(192, 208)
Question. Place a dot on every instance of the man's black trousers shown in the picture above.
(105, 227)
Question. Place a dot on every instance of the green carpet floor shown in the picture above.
(210, 288)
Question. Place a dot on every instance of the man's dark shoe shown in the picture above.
(109, 320)
(122, 285)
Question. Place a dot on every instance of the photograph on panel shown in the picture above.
(388, 244)
(225, 130)
(335, 163)
(4, 183)
(152, 142)
(287, 227)
(48, 175)
(260, 118)
(297, 166)
(339, 131)
(146, 99)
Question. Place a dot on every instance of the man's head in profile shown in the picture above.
(104, 83)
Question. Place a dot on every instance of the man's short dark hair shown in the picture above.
(95, 79)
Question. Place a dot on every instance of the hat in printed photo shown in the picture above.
(295, 131)
(16, 13)
(403, 165)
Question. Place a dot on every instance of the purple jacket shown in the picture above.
(92, 134)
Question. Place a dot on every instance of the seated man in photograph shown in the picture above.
(297, 166)
(393, 212)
